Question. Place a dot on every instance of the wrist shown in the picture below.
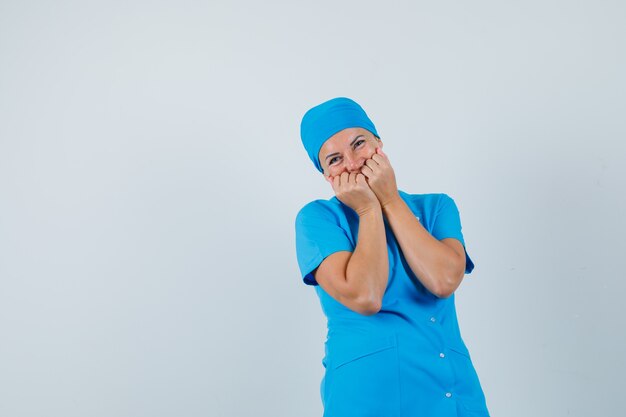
(372, 209)
(391, 202)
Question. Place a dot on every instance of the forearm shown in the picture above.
(367, 271)
(434, 264)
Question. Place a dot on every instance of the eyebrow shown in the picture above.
(337, 153)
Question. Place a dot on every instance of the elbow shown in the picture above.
(371, 308)
(367, 299)
(443, 292)
(449, 279)
(368, 305)
(447, 286)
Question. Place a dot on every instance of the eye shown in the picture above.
(333, 160)
(359, 142)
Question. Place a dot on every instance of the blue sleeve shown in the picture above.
(448, 224)
(318, 235)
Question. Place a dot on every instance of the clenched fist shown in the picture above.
(381, 178)
(353, 190)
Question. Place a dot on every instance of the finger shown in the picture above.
(335, 183)
(361, 180)
(372, 164)
(352, 178)
(367, 171)
(384, 156)
(343, 180)
(379, 159)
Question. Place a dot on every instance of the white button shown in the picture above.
(433, 319)
(448, 394)
(442, 355)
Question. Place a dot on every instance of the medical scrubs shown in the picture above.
(409, 359)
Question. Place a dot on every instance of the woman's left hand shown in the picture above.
(381, 178)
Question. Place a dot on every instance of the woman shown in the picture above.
(385, 265)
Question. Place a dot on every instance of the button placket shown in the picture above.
(442, 355)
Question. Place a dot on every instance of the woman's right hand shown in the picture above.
(353, 190)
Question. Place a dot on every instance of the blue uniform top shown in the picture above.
(408, 359)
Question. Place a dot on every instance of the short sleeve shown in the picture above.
(318, 235)
(448, 224)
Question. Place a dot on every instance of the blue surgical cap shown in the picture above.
(326, 119)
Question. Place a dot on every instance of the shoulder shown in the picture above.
(320, 209)
(426, 202)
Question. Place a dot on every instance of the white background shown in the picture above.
(151, 170)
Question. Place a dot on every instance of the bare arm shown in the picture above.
(358, 279)
(439, 265)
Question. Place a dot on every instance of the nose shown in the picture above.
(353, 164)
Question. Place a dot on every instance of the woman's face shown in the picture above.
(347, 151)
